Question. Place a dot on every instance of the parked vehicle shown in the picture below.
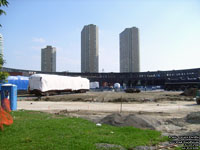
(132, 90)
(198, 97)
(94, 85)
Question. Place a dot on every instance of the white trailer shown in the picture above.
(43, 84)
(94, 85)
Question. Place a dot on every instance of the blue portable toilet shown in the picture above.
(12, 92)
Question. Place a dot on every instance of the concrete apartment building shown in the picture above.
(129, 50)
(1, 44)
(90, 49)
(48, 59)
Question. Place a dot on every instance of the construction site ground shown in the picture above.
(168, 112)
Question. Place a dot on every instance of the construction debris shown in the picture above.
(193, 118)
(190, 92)
(132, 90)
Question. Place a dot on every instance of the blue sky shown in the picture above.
(169, 32)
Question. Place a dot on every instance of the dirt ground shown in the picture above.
(108, 96)
(167, 112)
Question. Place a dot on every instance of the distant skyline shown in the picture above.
(169, 32)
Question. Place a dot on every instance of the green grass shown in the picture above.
(40, 131)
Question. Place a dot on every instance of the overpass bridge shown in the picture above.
(170, 80)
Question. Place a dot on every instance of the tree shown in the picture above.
(3, 75)
(3, 3)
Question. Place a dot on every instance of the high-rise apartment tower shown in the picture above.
(129, 50)
(89, 49)
(48, 59)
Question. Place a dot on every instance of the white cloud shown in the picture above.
(36, 47)
(39, 40)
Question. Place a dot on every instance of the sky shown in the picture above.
(169, 32)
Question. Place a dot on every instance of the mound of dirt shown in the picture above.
(190, 92)
(180, 122)
(137, 121)
(193, 118)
